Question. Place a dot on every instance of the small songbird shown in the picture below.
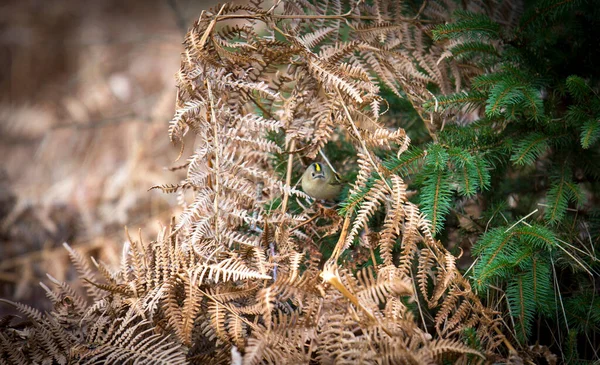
(320, 182)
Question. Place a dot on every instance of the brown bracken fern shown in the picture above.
(237, 275)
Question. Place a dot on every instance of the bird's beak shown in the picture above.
(319, 176)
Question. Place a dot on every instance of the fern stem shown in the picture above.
(344, 17)
(434, 212)
(210, 28)
(339, 246)
(217, 153)
(417, 300)
(508, 345)
(288, 175)
(317, 215)
(360, 139)
(330, 275)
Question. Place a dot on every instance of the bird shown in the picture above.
(320, 182)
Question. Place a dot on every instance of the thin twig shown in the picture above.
(418, 301)
(327, 161)
(305, 222)
(420, 10)
(360, 139)
(288, 176)
(556, 285)
(575, 259)
(521, 220)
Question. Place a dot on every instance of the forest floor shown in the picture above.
(87, 92)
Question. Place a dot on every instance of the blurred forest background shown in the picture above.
(86, 92)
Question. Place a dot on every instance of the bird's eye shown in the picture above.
(313, 174)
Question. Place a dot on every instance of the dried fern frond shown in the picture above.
(240, 268)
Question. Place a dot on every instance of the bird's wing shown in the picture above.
(337, 180)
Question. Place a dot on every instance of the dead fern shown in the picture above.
(238, 273)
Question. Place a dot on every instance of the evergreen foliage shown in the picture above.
(534, 142)
(521, 140)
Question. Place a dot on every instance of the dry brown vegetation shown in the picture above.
(239, 275)
(86, 90)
